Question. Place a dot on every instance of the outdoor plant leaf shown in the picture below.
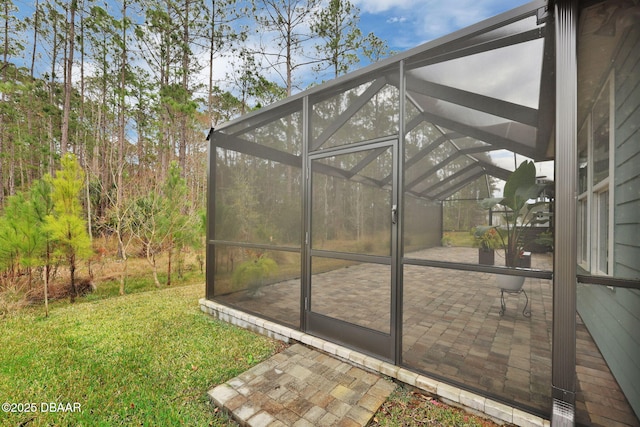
(519, 214)
(520, 186)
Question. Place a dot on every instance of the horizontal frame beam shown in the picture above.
(486, 104)
(255, 245)
(480, 268)
(233, 143)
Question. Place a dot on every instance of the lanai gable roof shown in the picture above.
(482, 89)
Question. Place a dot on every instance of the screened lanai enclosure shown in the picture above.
(356, 211)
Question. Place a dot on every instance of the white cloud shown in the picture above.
(379, 6)
(425, 20)
(396, 20)
(440, 18)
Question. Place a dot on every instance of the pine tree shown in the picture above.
(176, 222)
(337, 27)
(10, 238)
(66, 224)
(142, 221)
(289, 20)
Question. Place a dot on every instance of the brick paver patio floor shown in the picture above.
(302, 387)
(452, 329)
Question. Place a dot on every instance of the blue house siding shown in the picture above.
(613, 315)
(627, 161)
(612, 319)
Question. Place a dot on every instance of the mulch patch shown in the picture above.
(414, 409)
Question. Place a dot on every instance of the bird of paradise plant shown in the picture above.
(519, 213)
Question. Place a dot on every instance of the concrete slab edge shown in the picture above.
(449, 394)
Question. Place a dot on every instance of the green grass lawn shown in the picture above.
(141, 359)
(147, 358)
(460, 238)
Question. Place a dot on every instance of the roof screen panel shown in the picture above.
(431, 171)
(368, 111)
(281, 133)
(486, 127)
(378, 168)
(411, 110)
(468, 143)
(424, 137)
(369, 167)
(510, 73)
(464, 189)
(423, 170)
(454, 185)
(343, 162)
(255, 119)
(377, 118)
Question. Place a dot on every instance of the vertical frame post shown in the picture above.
(210, 257)
(305, 192)
(565, 254)
(396, 261)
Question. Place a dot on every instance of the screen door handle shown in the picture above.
(394, 214)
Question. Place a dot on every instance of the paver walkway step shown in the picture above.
(302, 387)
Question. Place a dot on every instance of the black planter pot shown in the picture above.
(486, 256)
(524, 261)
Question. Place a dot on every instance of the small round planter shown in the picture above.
(509, 283)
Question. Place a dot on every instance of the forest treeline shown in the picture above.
(45, 228)
(124, 93)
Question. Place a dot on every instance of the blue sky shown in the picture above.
(403, 24)
(407, 23)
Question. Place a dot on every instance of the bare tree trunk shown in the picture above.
(151, 259)
(84, 146)
(289, 61)
(123, 276)
(170, 252)
(121, 132)
(72, 273)
(88, 193)
(155, 272)
(36, 25)
(64, 140)
(5, 56)
(11, 185)
(182, 144)
(47, 274)
(52, 89)
(164, 141)
(212, 47)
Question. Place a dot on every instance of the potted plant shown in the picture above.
(519, 213)
(487, 241)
